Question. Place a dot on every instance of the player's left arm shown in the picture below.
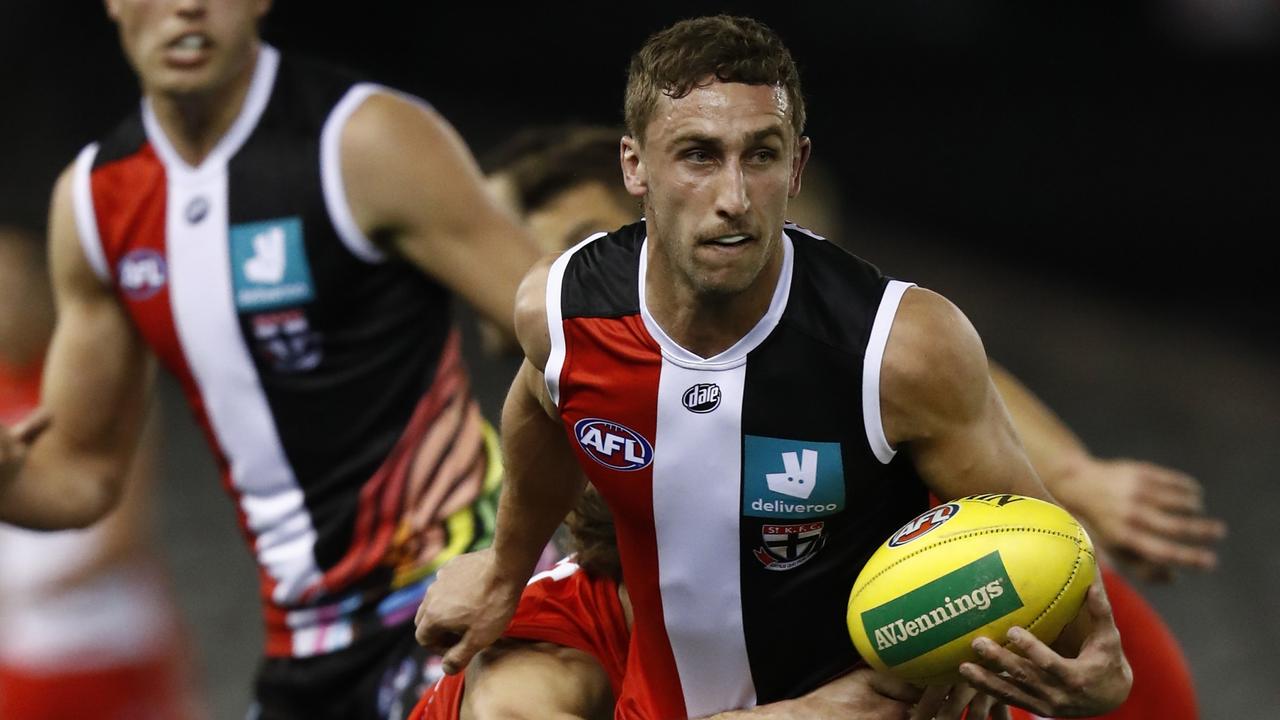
(1149, 515)
(415, 189)
(939, 406)
(520, 679)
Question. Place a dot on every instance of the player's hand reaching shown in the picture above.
(1030, 674)
(1150, 516)
(16, 441)
(949, 702)
(466, 609)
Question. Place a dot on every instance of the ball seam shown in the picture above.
(967, 534)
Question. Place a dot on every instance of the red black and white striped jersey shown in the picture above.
(326, 374)
(747, 489)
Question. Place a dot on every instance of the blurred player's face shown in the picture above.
(716, 169)
(574, 214)
(188, 47)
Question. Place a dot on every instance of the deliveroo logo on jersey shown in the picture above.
(269, 267)
(791, 478)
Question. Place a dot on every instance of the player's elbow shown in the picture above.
(87, 498)
(100, 495)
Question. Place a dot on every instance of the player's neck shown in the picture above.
(707, 325)
(195, 122)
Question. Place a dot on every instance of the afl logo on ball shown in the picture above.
(614, 446)
(924, 524)
(702, 398)
(142, 274)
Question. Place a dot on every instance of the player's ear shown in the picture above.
(801, 156)
(634, 173)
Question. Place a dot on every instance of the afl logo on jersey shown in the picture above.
(142, 273)
(924, 523)
(614, 446)
(702, 398)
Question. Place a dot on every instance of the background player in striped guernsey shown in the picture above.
(565, 182)
(712, 288)
(126, 659)
(284, 239)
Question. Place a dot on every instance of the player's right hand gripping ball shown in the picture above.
(976, 566)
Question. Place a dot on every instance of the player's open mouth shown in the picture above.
(729, 240)
(188, 48)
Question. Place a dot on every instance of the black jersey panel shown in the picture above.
(344, 349)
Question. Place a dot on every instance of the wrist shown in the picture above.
(1070, 480)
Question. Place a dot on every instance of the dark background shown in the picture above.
(1093, 183)
(1131, 145)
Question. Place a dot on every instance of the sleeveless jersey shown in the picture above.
(749, 488)
(326, 375)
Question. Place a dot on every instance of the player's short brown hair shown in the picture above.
(592, 536)
(543, 162)
(679, 59)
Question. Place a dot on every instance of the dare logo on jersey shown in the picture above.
(924, 523)
(142, 273)
(614, 446)
(702, 398)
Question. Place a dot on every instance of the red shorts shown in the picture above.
(151, 689)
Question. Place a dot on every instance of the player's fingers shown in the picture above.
(1170, 478)
(1104, 632)
(981, 706)
(32, 426)
(1001, 689)
(957, 700)
(1173, 499)
(1188, 529)
(458, 656)
(1162, 551)
(930, 702)
(1011, 666)
(437, 637)
(1033, 649)
(999, 712)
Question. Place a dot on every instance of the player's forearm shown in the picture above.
(56, 491)
(782, 710)
(1054, 450)
(542, 483)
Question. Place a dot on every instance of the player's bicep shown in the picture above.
(939, 404)
(97, 373)
(412, 182)
(519, 679)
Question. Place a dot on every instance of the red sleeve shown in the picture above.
(568, 607)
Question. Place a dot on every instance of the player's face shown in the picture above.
(574, 214)
(187, 47)
(716, 169)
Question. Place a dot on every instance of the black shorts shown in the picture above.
(380, 677)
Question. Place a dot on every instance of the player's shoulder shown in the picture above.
(934, 362)
(599, 277)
